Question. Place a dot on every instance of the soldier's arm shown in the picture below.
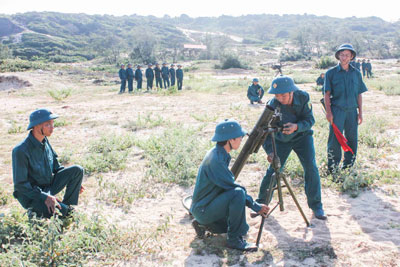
(20, 176)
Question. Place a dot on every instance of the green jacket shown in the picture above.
(300, 112)
(34, 164)
(345, 86)
(214, 177)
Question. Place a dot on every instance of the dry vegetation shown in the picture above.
(141, 154)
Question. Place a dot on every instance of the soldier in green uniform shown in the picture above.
(219, 203)
(363, 67)
(122, 76)
(139, 77)
(130, 76)
(179, 77)
(157, 74)
(343, 101)
(358, 65)
(297, 120)
(368, 68)
(149, 77)
(320, 81)
(165, 75)
(38, 177)
(255, 92)
(172, 74)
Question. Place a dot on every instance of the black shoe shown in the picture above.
(200, 229)
(240, 244)
(319, 214)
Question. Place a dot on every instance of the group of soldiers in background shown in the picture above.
(365, 66)
(163, 75)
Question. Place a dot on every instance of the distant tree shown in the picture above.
(143, 51)
(109, 47)
(4, 52)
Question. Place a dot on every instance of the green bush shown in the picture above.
(325, 62)
(108, 153)
(60, 94)
(50, 242)
(290, 55)
(230, 61)
(175, 156)
(16, 65)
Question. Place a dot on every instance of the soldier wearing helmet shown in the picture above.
(38, 176)
(218, 203)
(297, 120)
(343, 89)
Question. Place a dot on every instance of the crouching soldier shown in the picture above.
(255, 92)
(37, 174)
(219, 203)
(297, 120)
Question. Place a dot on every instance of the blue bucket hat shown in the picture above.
(255, 80)
(228, 129)
(39, 116)
(282, 84)
(345, 47)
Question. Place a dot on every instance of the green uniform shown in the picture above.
(172, 75)
(165, 76)
(149, 77)
(344, 87)
(368, 68)
(139, 78)
(218, 202)
(37, 173)
(123, 76)
(130, 77)
(179, 77)
(157, 74)
(301, 142)
(363, 67)
(253, 93)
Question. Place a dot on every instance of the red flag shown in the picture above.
(341, 139)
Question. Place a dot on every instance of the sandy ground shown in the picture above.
(362, 231)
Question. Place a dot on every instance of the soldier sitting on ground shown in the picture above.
(255, 92)
(38, 177)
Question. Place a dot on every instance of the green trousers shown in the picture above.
(69, 178)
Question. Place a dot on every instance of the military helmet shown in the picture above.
(345, 47)
(39, 116)
(255, 80)
(282, 84)
(228, 129)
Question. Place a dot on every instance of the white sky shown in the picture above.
(385, 9)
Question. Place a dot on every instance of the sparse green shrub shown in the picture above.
(371, 132)
(174, 156)
(4, 196)
(290, 55)
(325, 62)
(60, 122)
(109, 153)
(15, 128)
(144, 122)
(49, 242)
(60, 94)
(16, 65)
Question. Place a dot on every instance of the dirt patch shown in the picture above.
(12, 82)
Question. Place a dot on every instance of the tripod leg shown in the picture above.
(279, 186)
(295, 201)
